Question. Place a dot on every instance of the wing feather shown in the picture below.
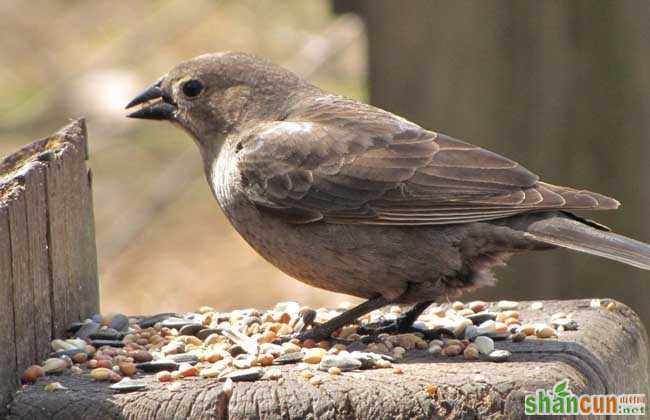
(339, 161)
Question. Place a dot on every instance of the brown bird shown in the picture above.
(353, 199)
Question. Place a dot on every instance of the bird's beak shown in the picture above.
(157, 105)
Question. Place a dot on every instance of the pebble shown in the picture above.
(187, 370)
(80, 357)
(594, 303)
(174, 322)
(60, 345)
(110, 343)
(500, 327)
(69, 353)
(248, 344)
(611, 306)
(383, 364)
(316, 380)
(430, 389)
(289, 347)
(76, 326)
(275, 349)
(518, 337)
(334, 371)
(289, 358)
(243, 361)
(119, 322)
(157, 366)
(452, 350)
(458, 305)
(127, 368)
(87, 329)
(314, 355)
(101, 374)
(165, 376)
(127, 385)
(189, 340)
(544, 332)
(485, 345)
(184, 358)
(486, 327)
(399, 352)
(566, 324)
(32, 374)
(367, 360)
(212, 371)
(499, 355)
(55, 386)
(482, 317)
(536, 306)
(142, 356)
(506, 305)
(342, 362)
(471, 353)
(307, 374)
(228, 387)
(477, 305)
(107, 334)
(174, 347)
(207, 332)
(435, 350)
(251, 374)
(54, 365)
(264, 359)
(191, 329)
(150, 321)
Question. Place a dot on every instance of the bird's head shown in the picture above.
(212, 95)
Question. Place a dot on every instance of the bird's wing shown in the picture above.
(343, 162)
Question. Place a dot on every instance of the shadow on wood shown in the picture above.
(48, 264)
(608, 354)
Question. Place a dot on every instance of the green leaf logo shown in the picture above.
(559, 390)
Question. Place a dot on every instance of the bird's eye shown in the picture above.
(192, 88)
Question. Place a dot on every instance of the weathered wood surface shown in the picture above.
(48, 264)
(608, 354)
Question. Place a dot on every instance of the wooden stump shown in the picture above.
(48, 264)
(607, 354)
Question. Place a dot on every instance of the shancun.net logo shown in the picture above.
(560, 400)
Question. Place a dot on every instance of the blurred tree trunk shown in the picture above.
(561, 86)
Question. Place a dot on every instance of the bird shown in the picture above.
(351, 198)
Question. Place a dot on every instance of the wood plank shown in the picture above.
(607, 354)
(48, 264)
(57, 234)
(35, 200)
(8, 380)
(23, 284)
(82, 265)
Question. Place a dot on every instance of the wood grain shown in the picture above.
(608, 354)
(48, 264)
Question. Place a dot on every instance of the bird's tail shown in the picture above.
(581, 235)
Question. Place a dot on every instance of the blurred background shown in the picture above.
(562, 87)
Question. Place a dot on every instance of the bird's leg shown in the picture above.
(403, 324)
(324, 331)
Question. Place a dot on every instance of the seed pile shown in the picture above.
(246, 345)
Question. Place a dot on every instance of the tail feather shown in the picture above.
(574, 234)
